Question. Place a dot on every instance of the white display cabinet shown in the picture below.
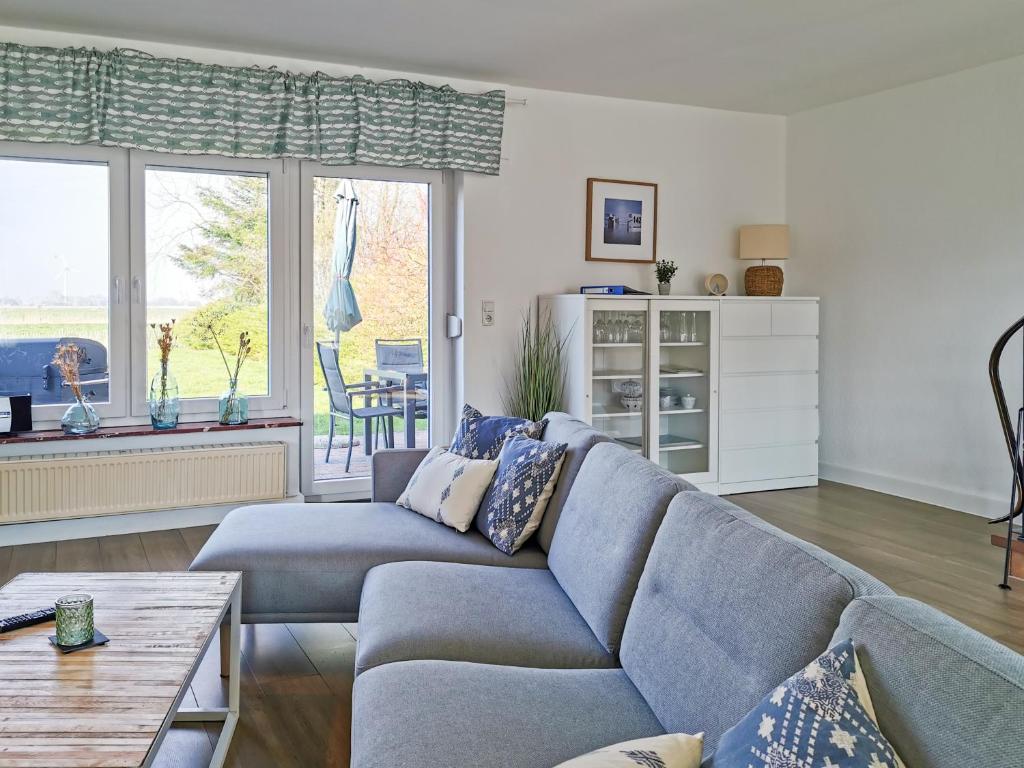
(648, 372)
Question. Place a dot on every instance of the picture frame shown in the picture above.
(622, 221)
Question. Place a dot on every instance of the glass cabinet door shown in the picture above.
(618, 390)
(683, 363)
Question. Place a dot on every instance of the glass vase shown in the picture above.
(74, 616)
(164, 403)
(80, 418)
(233, 407)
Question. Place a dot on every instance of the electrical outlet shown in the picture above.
(487, 312)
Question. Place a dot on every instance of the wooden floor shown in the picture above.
(297, 678)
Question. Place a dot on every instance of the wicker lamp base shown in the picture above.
(763, 281)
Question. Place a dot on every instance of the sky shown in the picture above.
(55, 239)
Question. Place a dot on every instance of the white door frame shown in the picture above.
(441, 277)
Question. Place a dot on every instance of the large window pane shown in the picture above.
(54, 275)
(207, 262)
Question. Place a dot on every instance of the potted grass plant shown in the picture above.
(537, 383)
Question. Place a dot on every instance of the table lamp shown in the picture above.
(767, 242)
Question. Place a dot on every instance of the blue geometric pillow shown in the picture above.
(514, 504)
(821, 716)
(481, 437)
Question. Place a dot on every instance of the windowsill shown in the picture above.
(144, 430)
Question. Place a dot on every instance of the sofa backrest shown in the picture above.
(607, 526)
(727, 608)
(945, 696)
(580, 437)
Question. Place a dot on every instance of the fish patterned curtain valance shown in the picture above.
(125, 98)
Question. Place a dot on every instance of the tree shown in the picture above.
(233, 231)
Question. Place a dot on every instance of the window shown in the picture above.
(57, 267)
(97, 244)
(207, 266)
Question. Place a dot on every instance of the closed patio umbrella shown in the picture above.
(341, 312)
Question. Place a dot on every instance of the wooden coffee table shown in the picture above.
(112, 705)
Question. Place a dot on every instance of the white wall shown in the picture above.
(907, 213)
(525, 229)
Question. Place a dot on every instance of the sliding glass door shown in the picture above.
(376, 285)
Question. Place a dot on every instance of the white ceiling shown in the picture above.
(777, 56)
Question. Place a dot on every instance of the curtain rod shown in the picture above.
(521, 102)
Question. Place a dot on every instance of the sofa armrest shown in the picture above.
(390, 470)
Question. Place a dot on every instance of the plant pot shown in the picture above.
(80, 419)
(664, 289)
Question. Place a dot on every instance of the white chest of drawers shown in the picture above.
(768, 405)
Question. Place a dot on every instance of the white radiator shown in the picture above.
(112, 482)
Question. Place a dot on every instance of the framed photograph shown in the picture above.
(622, 220)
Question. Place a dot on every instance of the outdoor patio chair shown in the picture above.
(340, 395)
(405, 355)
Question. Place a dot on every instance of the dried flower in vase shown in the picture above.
(234, 408)
(68, 359)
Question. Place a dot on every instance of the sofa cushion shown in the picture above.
(448, 488)
(308, 561)
(516, 500)
(943, 693)
(606, 529)
(481, 437)
(728, 607)
(446, 714)
(512, 616)
(579, 438)
(821, 715)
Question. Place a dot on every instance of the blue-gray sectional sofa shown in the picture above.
(643, 607)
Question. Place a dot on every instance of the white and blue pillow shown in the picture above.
(448, 488)
(514, 504)
(481, 437)
(821, 716)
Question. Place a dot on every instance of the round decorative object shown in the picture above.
(80, 418)
(631, 388)
(763, 281)
(717, 284)
(631, 403)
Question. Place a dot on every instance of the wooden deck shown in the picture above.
(360, 466)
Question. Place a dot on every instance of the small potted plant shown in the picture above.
(80, 417)
(664, 271)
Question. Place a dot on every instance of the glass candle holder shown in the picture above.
(74, 619)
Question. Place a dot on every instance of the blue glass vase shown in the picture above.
(164, 403)
(233, 406)
(80, 418)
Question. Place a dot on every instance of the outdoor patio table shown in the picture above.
(414, 383)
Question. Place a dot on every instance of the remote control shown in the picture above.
(27, 619)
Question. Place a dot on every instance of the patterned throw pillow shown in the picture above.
(674, 750)
(821, 716)
(447, 488)
(481, 437)
(515, 503)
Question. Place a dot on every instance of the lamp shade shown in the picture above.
(764, 241)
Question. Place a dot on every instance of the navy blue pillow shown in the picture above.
(481, 437)
(821, 716)
(518, 495)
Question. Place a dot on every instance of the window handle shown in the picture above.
(118, 291)
(137, 290)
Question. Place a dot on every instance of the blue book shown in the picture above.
(612, 290)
